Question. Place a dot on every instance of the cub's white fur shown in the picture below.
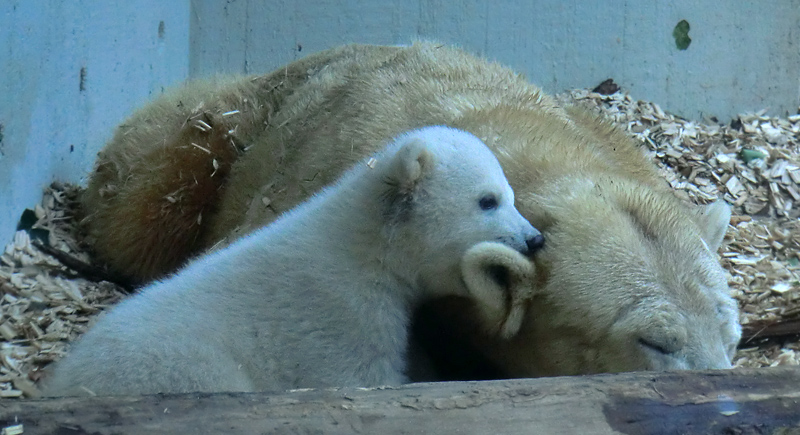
(321, 297)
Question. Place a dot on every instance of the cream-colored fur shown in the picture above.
(322, 297)
(501, 280)
(628, 279)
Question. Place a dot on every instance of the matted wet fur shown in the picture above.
(628, 278)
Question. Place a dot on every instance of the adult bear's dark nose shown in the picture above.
(535, 243)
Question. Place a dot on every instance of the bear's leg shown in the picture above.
(153, 210)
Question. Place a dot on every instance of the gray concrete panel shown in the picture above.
(743, 55)
(70, 71)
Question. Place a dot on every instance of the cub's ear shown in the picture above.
(713, 220)
(411, 162)
(500, 281)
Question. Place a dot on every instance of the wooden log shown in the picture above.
(756, 332)
(743, 401)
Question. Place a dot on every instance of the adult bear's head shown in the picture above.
(628, 280)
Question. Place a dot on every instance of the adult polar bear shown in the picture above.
(628, 278)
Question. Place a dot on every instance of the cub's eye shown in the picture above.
(488, 202)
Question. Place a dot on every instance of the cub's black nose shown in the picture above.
(535, 243)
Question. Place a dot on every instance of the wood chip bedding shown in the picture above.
(753, 162)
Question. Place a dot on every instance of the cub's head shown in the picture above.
(628, 280)
(444, 191)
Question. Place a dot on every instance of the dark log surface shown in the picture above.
(744, 401)
(769, 330)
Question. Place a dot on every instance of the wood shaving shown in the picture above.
(16, 429)
(43, 304)
(753, 162)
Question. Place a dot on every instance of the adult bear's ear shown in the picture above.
(411, 162)
(500, 280)
(713, 220)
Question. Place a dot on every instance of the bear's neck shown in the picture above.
(357, 234)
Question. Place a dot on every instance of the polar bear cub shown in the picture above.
(322, 296)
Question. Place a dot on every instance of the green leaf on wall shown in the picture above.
(681, 35)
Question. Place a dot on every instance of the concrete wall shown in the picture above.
(70, 71)
(743, 55)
